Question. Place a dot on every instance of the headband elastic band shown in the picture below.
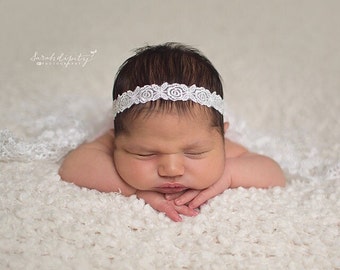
(173, 92)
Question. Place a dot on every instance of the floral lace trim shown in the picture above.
(173, 92)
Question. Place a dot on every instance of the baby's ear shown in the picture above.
(226, 126)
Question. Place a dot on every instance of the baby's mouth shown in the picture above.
(171, 188)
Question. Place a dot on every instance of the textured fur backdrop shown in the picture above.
(280, 62)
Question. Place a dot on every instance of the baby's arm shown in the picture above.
(91, 166)
(248, 169)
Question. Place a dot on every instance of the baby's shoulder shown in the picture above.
(233, 149)
(104, 143)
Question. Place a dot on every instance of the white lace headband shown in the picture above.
(173, 92)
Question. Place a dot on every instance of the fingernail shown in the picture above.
(178, 202)
(178, 219)
(195, 213)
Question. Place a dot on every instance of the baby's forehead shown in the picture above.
(170, 124)
(169, 131)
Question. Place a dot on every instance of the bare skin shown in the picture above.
(91, 165)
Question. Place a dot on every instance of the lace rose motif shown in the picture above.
(173, 92)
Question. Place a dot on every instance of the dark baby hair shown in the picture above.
(172, 63)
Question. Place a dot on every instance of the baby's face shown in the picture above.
(169, 153)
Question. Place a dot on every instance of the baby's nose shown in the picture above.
(171, 165)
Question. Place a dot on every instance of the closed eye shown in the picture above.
(151, 154)
(196, 154)
(145, 155)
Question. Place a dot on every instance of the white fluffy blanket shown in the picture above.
(280, 63)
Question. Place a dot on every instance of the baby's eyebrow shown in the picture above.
(138, 148)
(198, 145)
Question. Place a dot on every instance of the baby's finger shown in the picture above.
(173, 215)
(203, 196)
(187, 197)
(173, 196)
(171, 212)
(185, 210)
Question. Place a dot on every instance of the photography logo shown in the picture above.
(63, 59)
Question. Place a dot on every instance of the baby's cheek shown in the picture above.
(214, 171)
(123, 168)
(134, 174)
(204, 173)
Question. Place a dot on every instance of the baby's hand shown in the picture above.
(195, 198)
(184, 197)
(160, 203)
